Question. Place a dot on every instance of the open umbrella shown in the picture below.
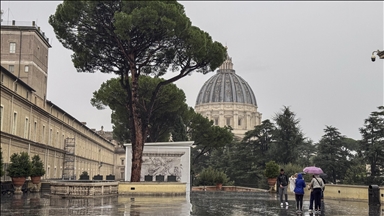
(313, 170)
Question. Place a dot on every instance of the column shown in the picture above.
(248, 121)
(235, 120)
(221, 119)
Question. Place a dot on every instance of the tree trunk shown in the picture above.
(139, 129)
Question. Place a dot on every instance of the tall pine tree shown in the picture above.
(332, 156)
(372, 144)
(288, 137)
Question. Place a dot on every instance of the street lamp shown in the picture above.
(378, 53)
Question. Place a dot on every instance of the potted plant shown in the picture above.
(219, 179)
(84, 176)
(271, 172)
(37, 169)
(19, 169)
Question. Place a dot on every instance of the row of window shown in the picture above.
(52, 138)
(11, 68)
(15, 88)
(12, 47)
(26, 134)
(228, 121)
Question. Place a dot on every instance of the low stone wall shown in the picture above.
(228, 188)
(349, 192)
(152, 188)
(332, 191)
(84, 188)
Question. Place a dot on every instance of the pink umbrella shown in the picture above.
(313, 170)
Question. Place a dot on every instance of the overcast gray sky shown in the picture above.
(311, 56)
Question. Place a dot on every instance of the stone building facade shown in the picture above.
(227, 99)
(119, 153)
(33, 124)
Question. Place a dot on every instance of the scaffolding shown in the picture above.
(69, 159)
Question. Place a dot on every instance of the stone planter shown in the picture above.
(36, 179)
(18, 182)
(272, 183)
(219, 186)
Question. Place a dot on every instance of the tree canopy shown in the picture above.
(332, 156)
(288, 136)
(131, 39)
(170, 105)
(372, 145)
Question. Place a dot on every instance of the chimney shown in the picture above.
(33, 23)
(84, 123)
(102, 128)
(13, 22)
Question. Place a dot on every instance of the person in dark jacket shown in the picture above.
(282, 183)
(299, 191)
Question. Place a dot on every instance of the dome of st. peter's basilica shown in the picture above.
(227, 99)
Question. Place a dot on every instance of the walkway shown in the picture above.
(197, 204)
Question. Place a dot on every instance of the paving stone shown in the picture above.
(194, 204)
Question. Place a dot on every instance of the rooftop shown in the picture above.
(25, 25)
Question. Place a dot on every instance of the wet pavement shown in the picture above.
(194, 204)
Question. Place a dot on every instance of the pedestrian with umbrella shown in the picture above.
(317, 185)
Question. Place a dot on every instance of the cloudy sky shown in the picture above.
(311, 56)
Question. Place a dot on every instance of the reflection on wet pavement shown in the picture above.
(196, 203)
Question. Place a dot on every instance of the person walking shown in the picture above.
(317, 186)
(299, 192)
(282, 182)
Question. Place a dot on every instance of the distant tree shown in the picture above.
(372, 144)
(332, 156)
(244, 161)
(258, 142)
(169, 108)
(207, 136)
(306, 153)
(351, 144)
(1, 163)
(132, 39)
(244, 165)
(288, 137)
(356, 174)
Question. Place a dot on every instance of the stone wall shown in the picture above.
(349, 192)
(83, 189)
(164, 161)
(152, 188)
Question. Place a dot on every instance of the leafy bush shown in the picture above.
(271, 169)
(220, 177)
(84, 175)
(20, 165)
(210, 176)
(37, 166)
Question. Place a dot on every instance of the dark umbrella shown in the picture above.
(324, 177)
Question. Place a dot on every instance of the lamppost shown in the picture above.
(378, 53)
